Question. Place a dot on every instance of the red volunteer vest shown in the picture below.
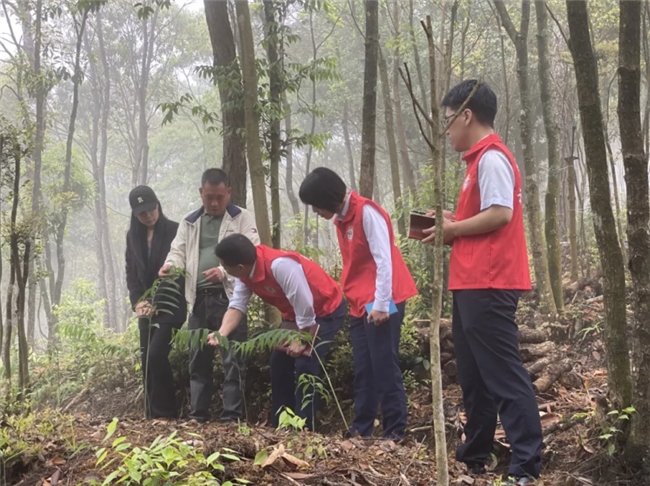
(359, 268)
(497, 260)
(327, 293)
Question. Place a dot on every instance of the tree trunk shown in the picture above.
(551, 227)
(106, 246)
(295, 207)
(538, 248)
(506, 84)
(37, 152)
(275, 98)
(611, 259)
(369, 111)
(617, 199)
(638, 211)
(392, 145)
(253, 148)
(306, 229)
(437, 288)
(232, 111)
(100, 86)
(571, 187)
(348, 145)
(408, 176)
(141, 170)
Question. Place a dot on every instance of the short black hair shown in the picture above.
(323, 189)
(214, 177)
(483, 104)
(236, 250)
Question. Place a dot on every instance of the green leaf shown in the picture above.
(110, 430)
(213, 457)
(260, 457)
(109, 479)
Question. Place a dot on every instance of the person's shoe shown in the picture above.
(476, 469)
(514, 481)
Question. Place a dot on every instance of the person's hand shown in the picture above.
(143, 309)
(445, 214)
(164, 270)
(296, 348)
(213, 275)
(213, 340)
(378, 317)
(448, 231)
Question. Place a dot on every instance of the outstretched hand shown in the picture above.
(213, 340)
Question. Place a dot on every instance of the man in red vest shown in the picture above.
(304, 293)
(377, 283)
(488, 270)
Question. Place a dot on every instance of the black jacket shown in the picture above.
(142, 269)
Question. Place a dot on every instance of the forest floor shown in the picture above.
(574, 419)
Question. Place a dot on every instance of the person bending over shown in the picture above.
(305, 295)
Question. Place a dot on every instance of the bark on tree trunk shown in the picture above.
(288, 178)
(141, 169)
(312, 130)
(232, 110)
(551, 226)
(348, 145)
(573, 230)
(611, 259)
(437, 289)
(100, 111)
(392, 145)
(106, 245)
(369, 111)
(538, 248)
(37, 152)
(638, 213)
(617, 200)
(408, 176)
(253, 149)
(275, 97)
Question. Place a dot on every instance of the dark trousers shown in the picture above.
(286, 390)
(155, 345)
(206, 317)
(377, 375)
(493, 380)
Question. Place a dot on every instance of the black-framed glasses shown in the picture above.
(446, 119)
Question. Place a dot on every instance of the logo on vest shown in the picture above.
(270, 289)
(466, 182)
(350, 233)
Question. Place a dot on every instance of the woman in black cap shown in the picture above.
(147, 244)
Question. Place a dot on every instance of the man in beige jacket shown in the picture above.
(208, 290)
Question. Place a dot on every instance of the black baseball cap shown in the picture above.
(142, 198)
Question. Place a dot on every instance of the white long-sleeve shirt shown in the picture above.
(376, 231)
(292, 279)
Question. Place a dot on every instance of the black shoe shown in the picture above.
(476, 469)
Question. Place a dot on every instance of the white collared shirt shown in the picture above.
(292, 280)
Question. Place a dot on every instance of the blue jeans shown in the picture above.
(377, 375)
(285, 371)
